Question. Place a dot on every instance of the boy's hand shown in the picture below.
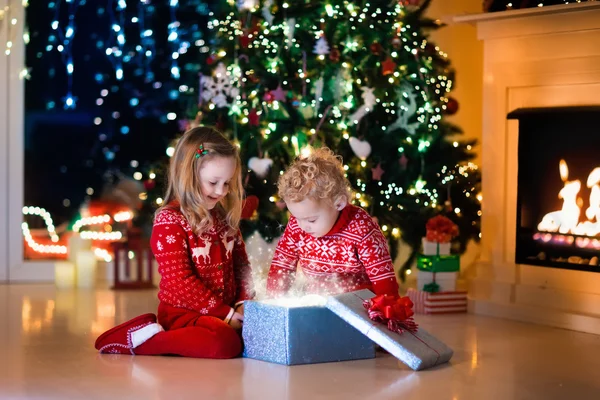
(240, 309)
(237, 320)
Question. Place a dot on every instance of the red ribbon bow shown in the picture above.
(441, 229)
(395, 311)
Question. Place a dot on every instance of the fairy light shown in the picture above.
(94, 235)
(123, 216)
(45, 215)
(41, 248)
(102, 254)
(87, 221)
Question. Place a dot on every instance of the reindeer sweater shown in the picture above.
(352, 256)
(208, 274)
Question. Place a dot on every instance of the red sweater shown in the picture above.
(208, 274)
(352, 256)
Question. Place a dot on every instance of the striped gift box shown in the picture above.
(438, 303)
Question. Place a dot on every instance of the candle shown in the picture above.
(64, 275)
(86, 269)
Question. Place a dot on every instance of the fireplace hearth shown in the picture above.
(558, 193)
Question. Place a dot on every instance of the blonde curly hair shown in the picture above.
(318, 176)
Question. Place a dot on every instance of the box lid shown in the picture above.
(417, 350)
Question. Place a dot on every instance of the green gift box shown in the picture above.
(442, 263)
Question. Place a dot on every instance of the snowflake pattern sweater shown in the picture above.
(208, 274)
(352, 256)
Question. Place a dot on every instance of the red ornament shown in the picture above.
(451, 106)
(253, 117)
(268, 97)
(414, 3)
(376, 48)
(211, 59)
(377, 173)
(388, 66)
(253, 78)
(149, 184)
(403, 161)
(245, 39)
(334, 55)
(249, 207)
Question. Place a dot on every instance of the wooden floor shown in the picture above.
(46, 352)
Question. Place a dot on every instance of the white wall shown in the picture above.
(3, 149)
(465, 52)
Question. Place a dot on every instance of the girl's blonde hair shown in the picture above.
(319, 176)
(183, 183)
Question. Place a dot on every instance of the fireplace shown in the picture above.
(558, 187)
(542, 68)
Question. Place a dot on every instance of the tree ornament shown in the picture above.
(451, 106)
(260, 166)
(247, 5)
(403, 162)
(279, 93)
(321, 47)
(266, 11)
(249, 207)
(376, 48)
(334, 55)
(290, 28)
(407, 107)
(396, 43)
(377, 172)
(253, 118)
(369, 101)
(388, 66)
(245, 39)
(361, 148)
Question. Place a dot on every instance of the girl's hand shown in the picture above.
(236, 321)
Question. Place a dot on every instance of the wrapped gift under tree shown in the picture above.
(440, 231)
(437, 269)
(438, 303)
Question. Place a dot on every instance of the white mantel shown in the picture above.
(540, 57)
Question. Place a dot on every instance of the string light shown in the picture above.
(41, 248)
(45, 215)
(94, 235)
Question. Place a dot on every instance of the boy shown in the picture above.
(339, 247)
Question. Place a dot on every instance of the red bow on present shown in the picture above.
(395, 311)
(440, 229)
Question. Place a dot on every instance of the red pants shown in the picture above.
(190, 334)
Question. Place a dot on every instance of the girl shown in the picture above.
(339, 247)
(202, 259)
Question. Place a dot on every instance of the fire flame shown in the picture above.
(566, 220)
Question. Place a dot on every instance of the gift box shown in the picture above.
(435, 248)
(290, 334)
(444, 281)
(438, 303)
(448, 263)
(440, 231)
(418, 350)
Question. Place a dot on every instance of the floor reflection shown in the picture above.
(47, 336)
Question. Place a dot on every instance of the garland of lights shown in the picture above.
(102, 254)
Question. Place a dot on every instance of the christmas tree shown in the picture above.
(359, 77)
